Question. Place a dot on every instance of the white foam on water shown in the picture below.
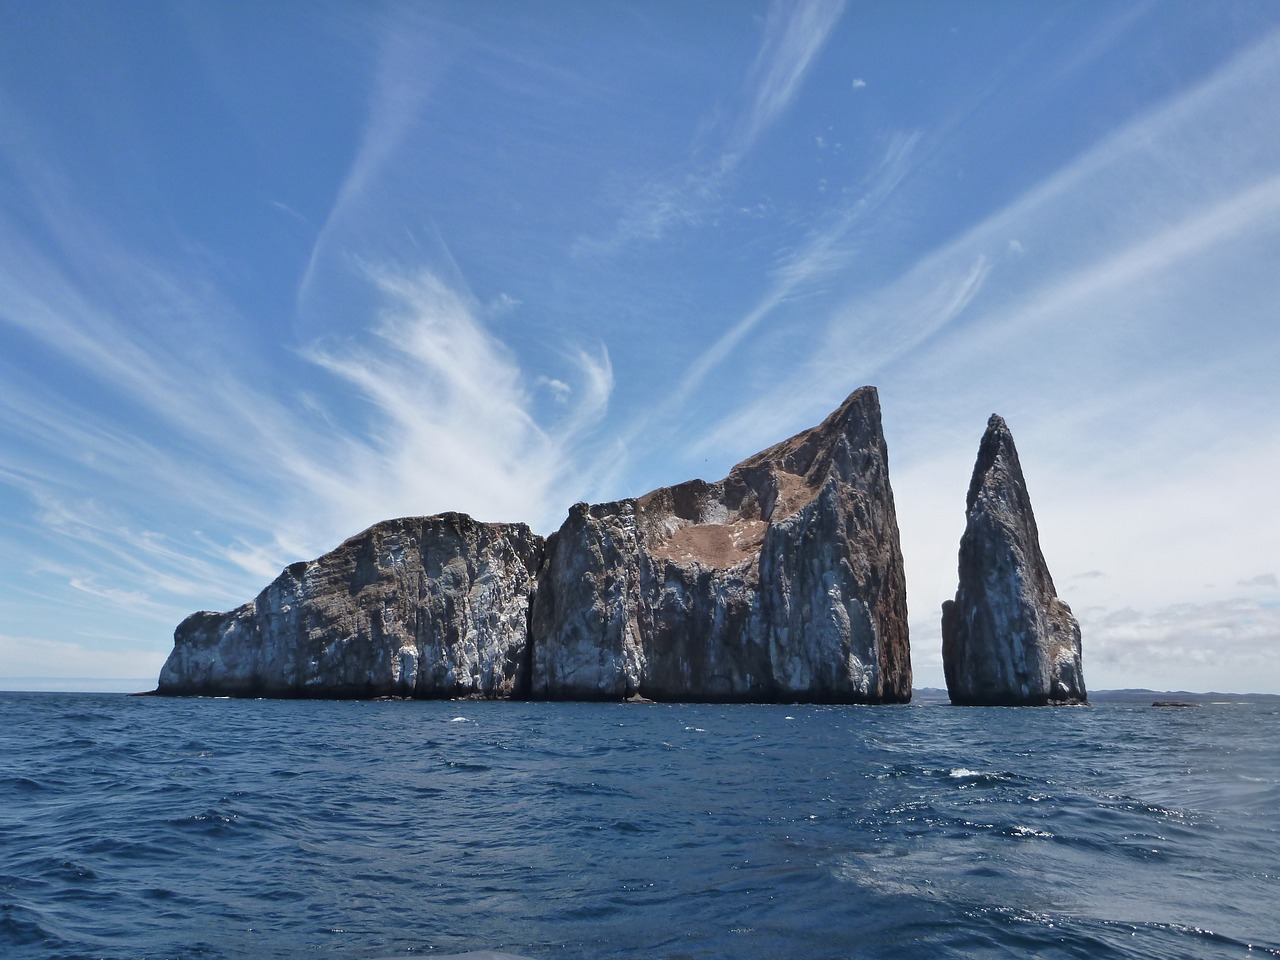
(1021, 831)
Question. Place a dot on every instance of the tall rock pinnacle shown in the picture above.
(1007, 640)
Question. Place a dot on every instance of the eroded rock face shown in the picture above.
(422, 607)
(1007, 639)
(784, 581)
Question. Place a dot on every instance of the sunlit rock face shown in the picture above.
(784, 581)
(1007, 640)
(417, 607)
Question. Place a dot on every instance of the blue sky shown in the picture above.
(271, 273)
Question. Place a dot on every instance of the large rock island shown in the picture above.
(782, 582)
(1007, 640)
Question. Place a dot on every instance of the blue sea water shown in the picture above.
(157, 828)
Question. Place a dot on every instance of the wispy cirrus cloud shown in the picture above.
(153, 464)
(823, 255)
(407, 62)
(198, 478)
(451, 416)
(1196, 175)
(793, 35)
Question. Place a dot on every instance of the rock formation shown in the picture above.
(1007, 639)
(421, 607)
(784, 581)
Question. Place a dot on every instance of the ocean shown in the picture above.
(211, 828)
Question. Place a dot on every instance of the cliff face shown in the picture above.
(1006, 638)
(784, 581)
(423, 607)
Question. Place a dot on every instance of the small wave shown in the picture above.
(1210, 936)
(21, 927)
(26, 784)
(627, 826)
(978, 777)
(1019, 830)
(1131, 805)
(467, 767)
(475, 955)
(208, 821)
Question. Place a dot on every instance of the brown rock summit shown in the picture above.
(1007, 639)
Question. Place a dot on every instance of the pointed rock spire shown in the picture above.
(1006, 638)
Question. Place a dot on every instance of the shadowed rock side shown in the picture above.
(1007, 640)
(784, 581)
(417, 607)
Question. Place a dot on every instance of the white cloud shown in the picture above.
(406, 65)
(451, 426)
(28, 659)
(448, 425)
(1226, 645)
(1195, 175)
(1267, 580)
(559, 389)
(503, 303)
(793, 36)
(824, 254)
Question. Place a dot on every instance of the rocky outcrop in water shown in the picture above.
(418, 607)
(1007, 640)
(784, 581)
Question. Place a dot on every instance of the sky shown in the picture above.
(270, 273)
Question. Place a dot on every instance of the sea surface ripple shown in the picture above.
(208, 828)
